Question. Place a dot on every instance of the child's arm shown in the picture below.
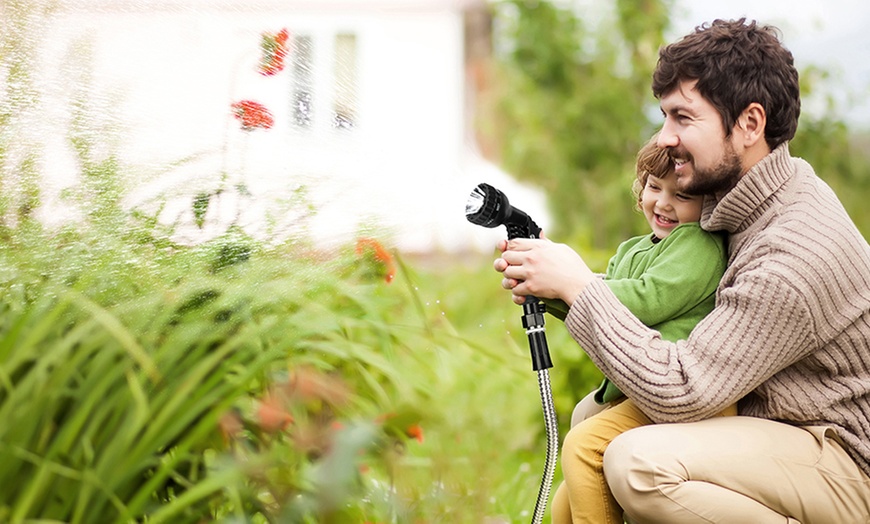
(685, 272)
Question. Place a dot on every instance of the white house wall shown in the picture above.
(169, 76)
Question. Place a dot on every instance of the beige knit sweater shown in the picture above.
(790, 334)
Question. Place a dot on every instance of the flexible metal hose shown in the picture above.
(551, 424)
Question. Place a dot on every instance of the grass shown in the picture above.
(239, 382)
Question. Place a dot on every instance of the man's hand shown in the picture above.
(541, 268)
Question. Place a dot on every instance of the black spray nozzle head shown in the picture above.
(489, 207)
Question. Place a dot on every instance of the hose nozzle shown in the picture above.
(488, 207)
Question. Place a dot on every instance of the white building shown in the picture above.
(371, 114)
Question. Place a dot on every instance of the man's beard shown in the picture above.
(717, 180)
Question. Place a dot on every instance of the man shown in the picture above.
(789, 336)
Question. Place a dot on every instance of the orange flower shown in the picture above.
(307, 383)
(252, 115)
(272, 414)
(374, 249)
(415, 431)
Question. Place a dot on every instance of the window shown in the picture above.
(344, 107)
(302, 81)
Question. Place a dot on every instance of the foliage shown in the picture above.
(19, 151)
(109, 398)
(837, 153)
(570, 110)
(175, 385)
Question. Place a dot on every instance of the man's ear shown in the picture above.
(750, 125)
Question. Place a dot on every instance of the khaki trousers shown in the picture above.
(584, 497)
(736, 470)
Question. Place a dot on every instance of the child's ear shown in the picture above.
(750, 125)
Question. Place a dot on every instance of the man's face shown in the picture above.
(706, 162)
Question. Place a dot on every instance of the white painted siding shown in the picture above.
(170, 70)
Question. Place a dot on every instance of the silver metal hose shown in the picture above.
(551, 424)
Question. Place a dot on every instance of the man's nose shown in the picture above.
(667, 136)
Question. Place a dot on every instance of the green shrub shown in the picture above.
(162, 384)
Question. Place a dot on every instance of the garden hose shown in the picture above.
(551, 424)
(533, 321)
(489, 207)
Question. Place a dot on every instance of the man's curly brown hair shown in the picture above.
(735, 64)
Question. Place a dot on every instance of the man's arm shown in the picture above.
(759, 326)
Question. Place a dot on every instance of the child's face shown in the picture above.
(665, 208)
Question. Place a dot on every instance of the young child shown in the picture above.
(668, 280)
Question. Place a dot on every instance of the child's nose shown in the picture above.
(665, 202)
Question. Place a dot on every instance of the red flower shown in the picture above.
(415, 431)
(369, 247)
(252, 115)
(275, 48)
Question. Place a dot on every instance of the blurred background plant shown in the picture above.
(248, 381)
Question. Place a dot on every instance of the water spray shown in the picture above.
(489, 207)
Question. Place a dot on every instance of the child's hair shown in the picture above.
(651, 160)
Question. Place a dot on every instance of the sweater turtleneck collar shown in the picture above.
(748, 200)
